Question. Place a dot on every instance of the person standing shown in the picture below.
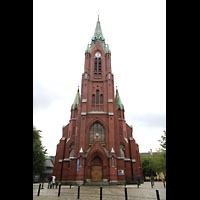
(53, 181)
(49, 182)
(152, 181)
(138, 180)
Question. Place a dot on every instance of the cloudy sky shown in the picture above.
(136, 33)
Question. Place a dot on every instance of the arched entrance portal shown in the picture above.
(96, 172)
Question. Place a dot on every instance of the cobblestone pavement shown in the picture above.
(144, 192)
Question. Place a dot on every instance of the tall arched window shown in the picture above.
(93, 99)
(113, 164)
(75, 113)
(99, 64)
(95, 64)
(101, 99)
(97, 129)
(97, 97)
(122, 150)
(71, 150)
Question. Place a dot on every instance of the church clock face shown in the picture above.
(97, 54)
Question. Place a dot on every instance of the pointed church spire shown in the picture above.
(77, 99)
(98, 35)
(118, 99)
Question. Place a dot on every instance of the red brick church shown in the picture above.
(97, 144)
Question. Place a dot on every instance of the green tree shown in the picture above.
(163, 141)
(147, 165)
(38, 153)
(159, 162)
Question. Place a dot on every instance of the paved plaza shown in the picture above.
(144, 192)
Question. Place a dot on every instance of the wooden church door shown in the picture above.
(96, 173)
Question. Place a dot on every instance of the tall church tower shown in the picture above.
(97, 144)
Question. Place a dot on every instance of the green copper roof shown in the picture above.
(76, 100)
(98, 35)
(118, 100)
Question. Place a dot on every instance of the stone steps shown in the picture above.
(96, 183)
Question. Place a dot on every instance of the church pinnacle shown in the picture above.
(98, 35)
(77, 99)
(118, 100)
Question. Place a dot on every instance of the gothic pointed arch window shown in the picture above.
(75, 113)
(97, 65)
(93, 99)
(71, 150)
(122, 150)
(97, 97)
(97, 129)
(101, 99)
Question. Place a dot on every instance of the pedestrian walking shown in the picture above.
(138, 180)
(152, 181)
(53, 181)
(49, 182)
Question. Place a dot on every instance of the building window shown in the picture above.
(73, 132)
(113, 164)
(99, 64)
(122, 151)
(95, 64)
(101, 99)
(97, 128)
(75, 113)
(97, 97)
(71, 150)
(93, 99)
(80, 163)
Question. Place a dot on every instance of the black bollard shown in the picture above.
(157, 194)
(39, 189)
(59, 188)
(42, 185)
(78, 192)
(126, 196)
(70, 186)
(100, 193)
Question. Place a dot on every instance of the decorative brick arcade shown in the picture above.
(97, 145)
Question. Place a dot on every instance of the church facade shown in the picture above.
(97, 144)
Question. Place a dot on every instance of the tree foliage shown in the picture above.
(155, 163)
(38, 153)
(163, 141)
(148, 165)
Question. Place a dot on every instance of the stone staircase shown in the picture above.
(96, 183)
